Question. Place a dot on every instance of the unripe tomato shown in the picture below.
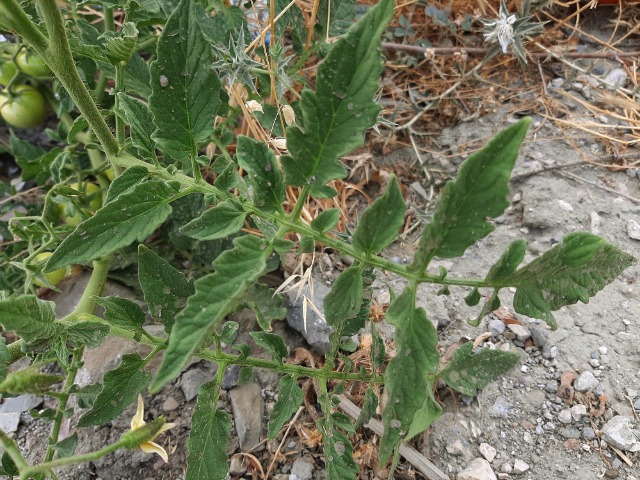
(7, 72)
(32, 64)
(26, 109)
(109, 174)
(54, 277)
(90, 200)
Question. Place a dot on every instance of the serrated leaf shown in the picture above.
(165, 289)
(120, 45)
(210, 434)
(138, 116)
(265, 305)
(126, 182)
(473, 298)
(272, 343)
(229, 332)
(571, 271)
(121, 387)
(342, 108)
(216, 295)
(5, 357)
(66, 447)
(379, 224)
(186, 91)
(132, 216)
(338, 452)
(32, 319)
(344, 299)
(263, 173)
(369, 406)
(425, 416)
(508, 262)
(290, 397)
(407, 375)
(326, 220)
(469, 372)
(123, 313)
(221, 221)
(479, 192)
(88, 332)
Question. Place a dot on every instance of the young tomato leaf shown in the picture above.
(209, 437)
(336, 116)
(89, 333)
(32, 319)
(263, 173)
(165, 289)
(272, 343)
(425, 416)
(137, 115)
(326, 220)
(131, 216)
(221, 221)
(479, 192)
(121, 387)
(469, 372)
(123, 313)
(379, 224)
(369, 406)
(186, 91)
(126, 182)
(265, 305)
(406, 377)
(344, 299)
(290, 398)
(216, 295)
(338, 451)
(571, 271)
(508, 262)
(5, 357)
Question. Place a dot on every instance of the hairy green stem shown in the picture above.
(11, 448)
(87, 303)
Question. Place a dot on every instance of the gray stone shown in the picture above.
(459, 448)
(19, 404)
(633, 229)
(616, 78)
(618, 433)
(636, 405)
(477, 469)
(231, 376)
(578, 411)
(539, 336)
(9, 422)
(315, 330)
(519, 466)
(302, 469)
(588, 433)
(237, 465)
(551, 387)
(585, 382)
(565, 415)
(496, 327)
(170, 404)
(487, 451)
(247, 405)
(191, 381)
(570, 433)
(549, 352)
(521, 332)
(500, 407)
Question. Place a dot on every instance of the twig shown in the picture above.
(594, 184)
(414, 457)
(284, 438)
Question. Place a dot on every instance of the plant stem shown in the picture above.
(87, 303)
(11, 448)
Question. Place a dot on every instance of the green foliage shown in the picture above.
(212, 222)
(210, 433)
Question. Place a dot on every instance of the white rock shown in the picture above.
(565, 205)
(565, 416)
(616, 78)
(618, 432)
(633, 229)
(578, 411)
(487, 451)
(521, 332)
(519, 466)
(586, 381)
(237, 465)
(477, 469)
(603, 350)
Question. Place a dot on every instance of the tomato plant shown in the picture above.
(7, 72)
(23, 108)
(90, 200)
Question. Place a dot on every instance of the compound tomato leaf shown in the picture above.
(132, 216)
(32, 319)
(336, 116)
(290, 397)
(221, 221)
(216, 295)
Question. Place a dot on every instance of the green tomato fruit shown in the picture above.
(109, 174)
(54, 277)
(90, 200)
(7, 72)
(32, 64)
(26, 109)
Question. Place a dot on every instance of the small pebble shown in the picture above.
(565, 416)
(602, 350)
(570, 433)
(519, 466)
(496, 327)
(588, 433)
(487, 451)
(549, 352)
(521, 332)
(585, 382)
(170, 404)
(578, 411)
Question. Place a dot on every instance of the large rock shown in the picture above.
(315, 329)
(248, 406)
(618, 432)
(478, 469)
